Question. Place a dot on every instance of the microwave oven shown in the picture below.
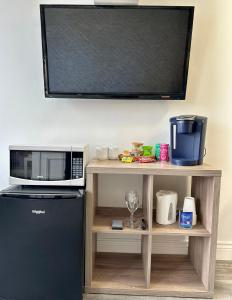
(48, 165)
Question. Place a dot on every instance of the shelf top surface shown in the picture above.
(156, 168)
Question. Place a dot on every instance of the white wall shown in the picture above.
(26, 117)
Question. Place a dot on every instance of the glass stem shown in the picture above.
(132, 220)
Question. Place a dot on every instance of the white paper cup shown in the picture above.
(189, 205)
(113, 152)
(102, 153)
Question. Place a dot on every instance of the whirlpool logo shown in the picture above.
(38, 212)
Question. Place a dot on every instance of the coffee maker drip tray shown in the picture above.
(184, 162)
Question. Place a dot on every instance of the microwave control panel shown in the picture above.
(77, 165)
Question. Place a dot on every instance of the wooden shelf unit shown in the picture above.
(189, 275)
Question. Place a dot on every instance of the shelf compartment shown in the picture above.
(174, 229)
(104, 216)
(122, 273)
(175, 275)
(117, 273)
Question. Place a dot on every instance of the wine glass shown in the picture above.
(132, 203)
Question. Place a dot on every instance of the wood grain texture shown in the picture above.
(146, 254)
(118, 271)
(223, 280)
(148, 292)
(203, 191)
(157, 168)
(146, 274)
(199, 256)
(148, 199)
(104, 216)
(90, 239)
(214, 230)
(202, 251)
(174, 272)
(223, 286)
(123, 274)
(174, 229)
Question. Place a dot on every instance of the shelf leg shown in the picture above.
(202, 251)
(147, 239)
(90, 241)
(146, 254)
(148, 199)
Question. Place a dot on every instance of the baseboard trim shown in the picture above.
(224, 250)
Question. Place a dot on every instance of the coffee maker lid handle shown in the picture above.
(186, 118)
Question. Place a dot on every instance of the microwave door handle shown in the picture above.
(174, 137)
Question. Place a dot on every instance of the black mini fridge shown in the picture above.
(41, 243)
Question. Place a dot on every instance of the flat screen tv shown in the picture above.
(129, 52)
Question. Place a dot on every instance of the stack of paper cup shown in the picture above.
(190, 206)
(102, 153)
(113, 152)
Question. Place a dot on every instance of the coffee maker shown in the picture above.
(187, 134)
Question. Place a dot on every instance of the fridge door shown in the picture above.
(41, 247)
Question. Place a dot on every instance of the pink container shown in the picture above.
(164, 152)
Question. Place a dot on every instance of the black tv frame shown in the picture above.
(151, 96)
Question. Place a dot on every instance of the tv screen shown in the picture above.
(131, 52)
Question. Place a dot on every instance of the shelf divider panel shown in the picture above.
(148, 199)
(90, 239)
(202, 251)
(146, 253)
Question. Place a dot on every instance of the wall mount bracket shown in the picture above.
(116, 2)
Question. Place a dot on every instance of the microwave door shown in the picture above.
(32, 166)
(35, 165)
(54, 166)
(25, 164)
